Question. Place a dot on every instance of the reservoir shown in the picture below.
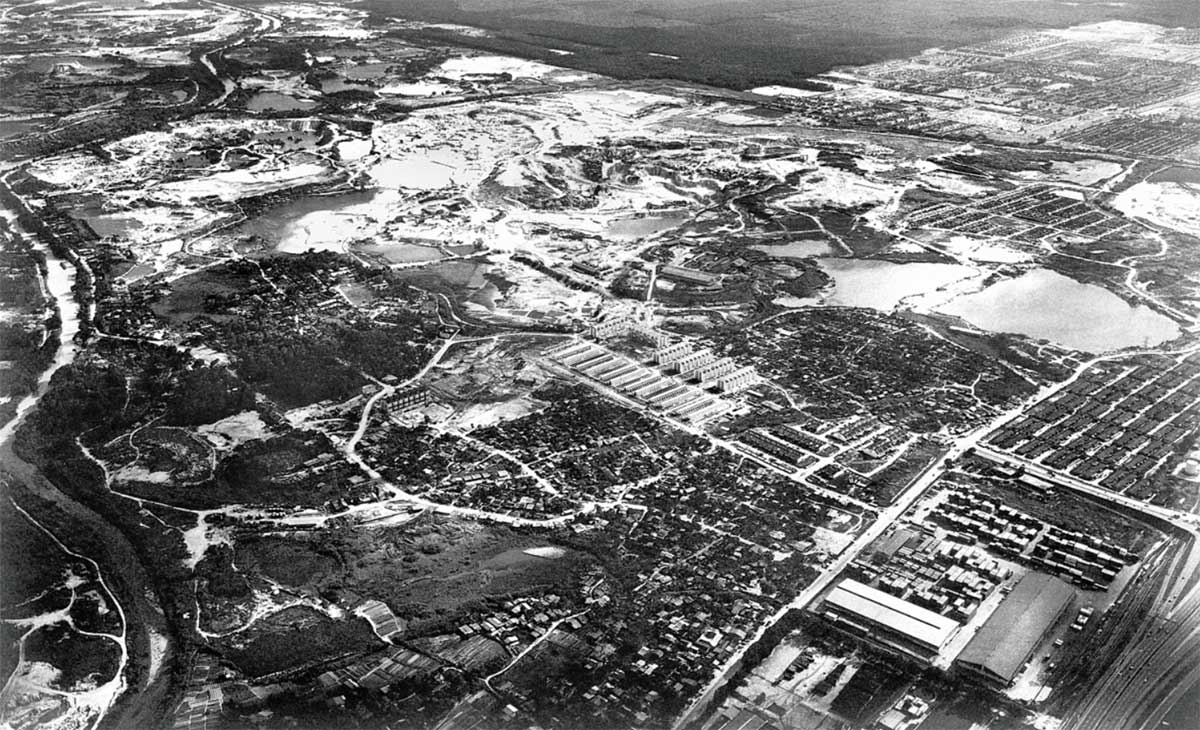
(112, 224)
(801, 249)
(1043, 304)
(632, 229)
(335, 84)
(271, 101)
(321, 222)
(883, 285)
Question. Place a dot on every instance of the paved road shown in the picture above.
(886, 519)
(889, 516)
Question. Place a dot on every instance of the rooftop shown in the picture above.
(919, 624)
(1020, 621)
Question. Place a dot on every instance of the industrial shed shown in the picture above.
(888, 619)
(1010, 635)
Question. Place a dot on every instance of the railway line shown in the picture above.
(1161, 660)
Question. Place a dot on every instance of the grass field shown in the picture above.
(429, 572)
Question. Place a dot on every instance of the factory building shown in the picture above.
(888, 620)
(672, 396)
(688, 276)
(1011, 634)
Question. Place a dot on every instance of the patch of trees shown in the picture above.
(300, 637)
(206, 394)
(218, 575)
(295, 369)
(81, 394)
(29, 357)
(77, 656)
(328, 362)
(255, 463)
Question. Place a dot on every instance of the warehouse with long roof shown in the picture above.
(888, 620)
(1012, 633)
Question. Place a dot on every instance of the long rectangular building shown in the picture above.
(887, 619)
(1010, 635)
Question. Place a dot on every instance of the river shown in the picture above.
(60, 278)
(93, 704)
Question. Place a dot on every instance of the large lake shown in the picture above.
(801, 249)
(321, 222)
(273, 101)
(634, 228)
(883, 284)
(1046, 305)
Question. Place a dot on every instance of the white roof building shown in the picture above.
(887, 617)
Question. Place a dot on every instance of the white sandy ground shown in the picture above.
(464, 30)
(464, 66)
(1086, 172)
(1169, 204)
(983, 250)
(1110, 30)
(1080, 172)
(1042, 721)
(234, 184)
(145, 55)
(353, 149)
(420, 89)
(549, 553)
(957, 184)
(483, 415)
(830, 542)
(829, 185)
(517, 146)
(134, 473)
(141, 157)
(199, 538)
(40, 674)
(231, 432)
(279, 82)
(321, 20)
(158, 651)
(157, 232)
(782, 91)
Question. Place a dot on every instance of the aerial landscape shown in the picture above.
(600, 365)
